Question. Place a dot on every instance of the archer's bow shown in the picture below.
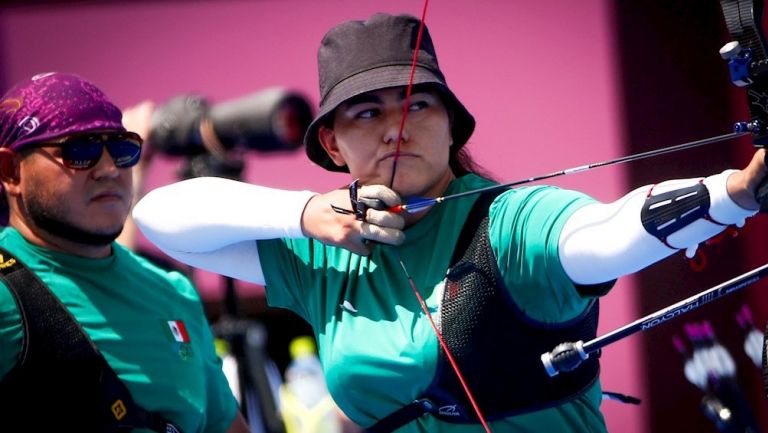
(748, 67)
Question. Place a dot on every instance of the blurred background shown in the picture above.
(553, 84)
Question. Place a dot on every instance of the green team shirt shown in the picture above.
(377, 348)
(125, 304)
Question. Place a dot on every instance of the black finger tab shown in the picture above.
(372, 203)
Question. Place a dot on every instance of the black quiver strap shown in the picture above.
(61, 381)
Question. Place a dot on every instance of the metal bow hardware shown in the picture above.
(568, 356)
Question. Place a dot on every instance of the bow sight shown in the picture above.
(748, 66)
(747, 61)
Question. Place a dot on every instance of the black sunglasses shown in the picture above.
(83, 152)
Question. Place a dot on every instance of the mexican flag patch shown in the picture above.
(178, 331)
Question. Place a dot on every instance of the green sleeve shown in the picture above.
(11, 334)
(288, 266)
(524, 230)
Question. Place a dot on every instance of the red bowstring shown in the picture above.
(407, 102)
(440, 339)
(422, 303)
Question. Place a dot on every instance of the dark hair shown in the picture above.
(462, 163)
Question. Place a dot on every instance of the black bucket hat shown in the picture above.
(356, 57)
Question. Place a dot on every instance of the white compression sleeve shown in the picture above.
(603, 241)
(213, 223)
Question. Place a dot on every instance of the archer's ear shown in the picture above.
(327, 138)
(9, 169)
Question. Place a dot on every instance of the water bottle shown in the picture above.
(305, 404)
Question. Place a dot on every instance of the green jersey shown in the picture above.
(148, 323)
(377, 347)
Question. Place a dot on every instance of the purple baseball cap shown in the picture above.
(49, 106)
(52, 105)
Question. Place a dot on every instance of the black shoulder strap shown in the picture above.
(476, 215)
(52, 336)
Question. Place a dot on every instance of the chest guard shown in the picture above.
(496, 346)
(61, 381)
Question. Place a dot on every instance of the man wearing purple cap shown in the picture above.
(92, 337)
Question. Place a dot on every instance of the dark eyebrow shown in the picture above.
(362, 99)
(372, 98)
(416, 90)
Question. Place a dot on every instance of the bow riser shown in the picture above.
(748, 66)
(747, 60)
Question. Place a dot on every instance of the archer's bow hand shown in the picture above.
(749, 187)
(350, 221)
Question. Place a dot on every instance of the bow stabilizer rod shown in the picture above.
(568, 356)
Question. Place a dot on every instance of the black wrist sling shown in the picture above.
(61, 380)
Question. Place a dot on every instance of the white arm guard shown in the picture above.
(213, 223)
(601, 242)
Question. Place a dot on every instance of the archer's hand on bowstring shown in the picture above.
(749, 187)
(323, 221)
